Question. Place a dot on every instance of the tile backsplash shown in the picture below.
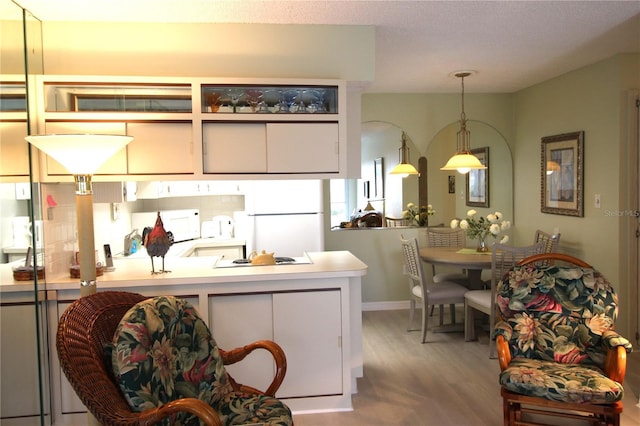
(60, 230)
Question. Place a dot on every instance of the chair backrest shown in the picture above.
(393, 222)
(551, 311)
(551, 242)
(413, 263)
(446, 237)
(172, 327)
(84, 330)
(503, 257)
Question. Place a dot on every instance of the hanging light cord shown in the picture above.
(463, 116)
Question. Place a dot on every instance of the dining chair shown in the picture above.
(447, 237)
(558, 350)
(392, 222)
(551, 241)
(106, 344)
(503, 257)
(420, 291)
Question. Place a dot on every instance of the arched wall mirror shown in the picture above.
(381, 140)
(386, 193)
(449, 198)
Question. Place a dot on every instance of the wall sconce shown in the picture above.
(82, 155)
(463, 160)
(404, 168)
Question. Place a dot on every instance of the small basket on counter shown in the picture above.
(74, 271)
(25, 273)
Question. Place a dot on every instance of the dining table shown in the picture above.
(466, 258)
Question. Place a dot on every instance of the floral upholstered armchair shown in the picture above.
(138, 361)
(163, 351)
(557, 346)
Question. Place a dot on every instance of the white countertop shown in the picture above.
(200, 270)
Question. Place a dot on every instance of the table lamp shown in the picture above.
(82, 155)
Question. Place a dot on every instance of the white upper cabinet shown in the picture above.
(202, 128)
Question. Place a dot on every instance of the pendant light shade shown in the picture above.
(404, 167)
(463, 160)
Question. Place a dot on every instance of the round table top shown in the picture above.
(467, 258)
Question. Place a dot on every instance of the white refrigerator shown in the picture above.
(284, 217)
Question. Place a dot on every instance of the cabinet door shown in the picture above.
(19, 364)
(160, 148)
(115, 165)
(234, 148)
(238, 320)
(14, 160)
(302, 148)
(308, 327)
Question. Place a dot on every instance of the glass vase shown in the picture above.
(482, 246)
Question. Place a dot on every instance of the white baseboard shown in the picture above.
(385, 306)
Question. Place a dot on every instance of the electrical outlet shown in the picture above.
(597, 201)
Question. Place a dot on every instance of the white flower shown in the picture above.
(504, 239)
(483, 226)
(430, 207)
(410, 206)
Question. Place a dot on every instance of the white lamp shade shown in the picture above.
(80, 154)
(404, 169)
(463, 163)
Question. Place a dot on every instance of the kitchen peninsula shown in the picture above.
(312, 309)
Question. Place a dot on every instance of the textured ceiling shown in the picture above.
(510, 44)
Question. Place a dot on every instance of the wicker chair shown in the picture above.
(87, 327)
(557, 347)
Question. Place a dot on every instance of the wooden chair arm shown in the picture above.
(504, 354)
(238, 354)
(553, 257)
(615, 366)
(201, 409)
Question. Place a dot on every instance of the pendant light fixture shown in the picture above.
(404, 167)
(463, 160)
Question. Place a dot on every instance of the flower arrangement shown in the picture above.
(481, 228)
(418, 216)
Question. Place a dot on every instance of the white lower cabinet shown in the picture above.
(306, 324)
(19, 386)
(308, 327)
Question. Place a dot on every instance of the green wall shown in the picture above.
(592, 99)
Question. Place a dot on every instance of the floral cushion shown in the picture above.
(163, 351)
(560, 382)
(558, 316)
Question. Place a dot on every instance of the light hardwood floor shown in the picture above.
(443, 382)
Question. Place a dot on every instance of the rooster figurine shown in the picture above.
(157, 241)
